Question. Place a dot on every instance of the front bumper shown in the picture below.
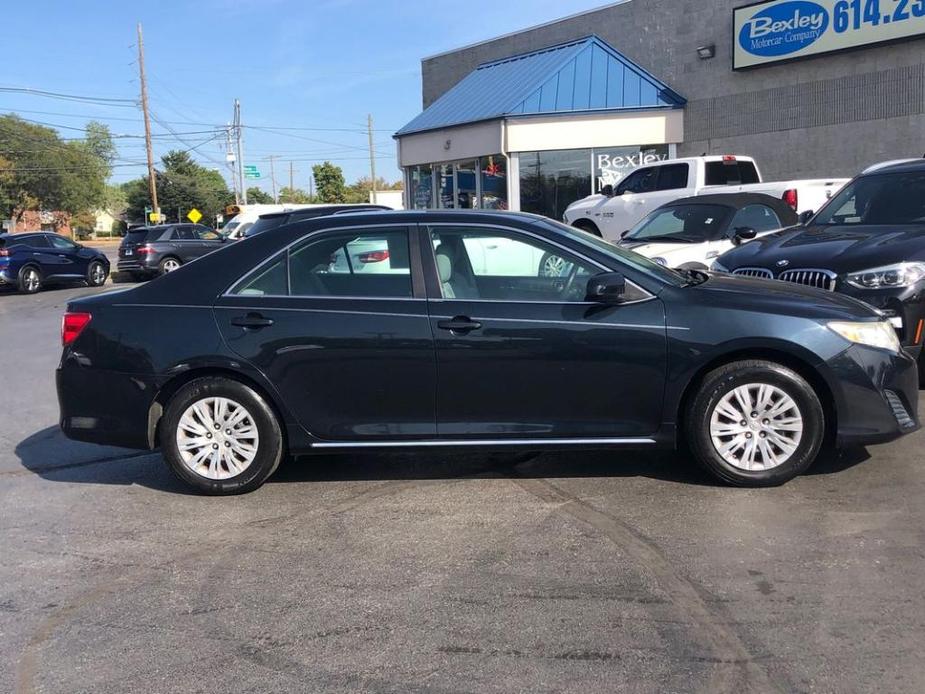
(876, 395)
(105, 407)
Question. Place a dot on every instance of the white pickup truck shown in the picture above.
(648, 187)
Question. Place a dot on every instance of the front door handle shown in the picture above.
(459, 324)
(252, 321)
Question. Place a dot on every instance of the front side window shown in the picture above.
(757, 217)
(356, 263)
(501, 265)
(642, 181)
(878, 199)
(61, 243)
(206, 234)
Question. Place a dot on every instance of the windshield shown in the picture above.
(681, 224)
(230, 227)
(887, 198)
(634, 260)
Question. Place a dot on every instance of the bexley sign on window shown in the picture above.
(785, 29)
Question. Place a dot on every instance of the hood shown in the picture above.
(589, 201)
(771, 296)
(840, 248)
(660, 249)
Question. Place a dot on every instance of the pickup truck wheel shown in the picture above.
(169, 265)
(755, 424)
(589, 226)
(552, 265)
(922, 369)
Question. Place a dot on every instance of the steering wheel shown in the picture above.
(568, 291)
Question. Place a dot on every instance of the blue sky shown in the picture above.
(321, 64)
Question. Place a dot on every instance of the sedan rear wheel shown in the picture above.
(221, 436)
(96, 274)
(30, 280)
(755, 424)
(169, 265)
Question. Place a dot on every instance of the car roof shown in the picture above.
(903, 166)
(322, 210)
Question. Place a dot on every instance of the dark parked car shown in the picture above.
(273, 220)
(31, 260)
(275, 347)
(148, 251)
(867, 242)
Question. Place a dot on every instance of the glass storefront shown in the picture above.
(473, 184)
(421, 187)
(549, 180)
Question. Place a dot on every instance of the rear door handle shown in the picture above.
(459, 324)
(252, 321)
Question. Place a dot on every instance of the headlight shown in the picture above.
(660, 261)
(878, 334)
(716, 266)
(888, 277)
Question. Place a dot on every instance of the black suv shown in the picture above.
(867, 242)
(278, 219)
(148, 251)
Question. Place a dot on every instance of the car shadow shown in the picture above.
(52, 457)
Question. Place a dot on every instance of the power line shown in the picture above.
(71, 97)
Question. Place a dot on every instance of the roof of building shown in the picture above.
(580, 76)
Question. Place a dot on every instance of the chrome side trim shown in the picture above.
(484, 442)
(586, 324)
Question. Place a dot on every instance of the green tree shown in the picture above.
(295, 196)
(329, 182)
(255, 196)
(43, 172)
(359, 191)
(182, 185)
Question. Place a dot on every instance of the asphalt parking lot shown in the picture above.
(591, 572)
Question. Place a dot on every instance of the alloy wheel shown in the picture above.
(97, 274)
(756, 426)
(217, 438)
(170, 265)
(31, 280)
(554, 266)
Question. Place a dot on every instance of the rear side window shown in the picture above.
(182, 234)
(673, 177)
(731, 173)
(37, 241)
(355, 263)
(757, 217)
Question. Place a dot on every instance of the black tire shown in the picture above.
(269, 447)
(96, 274)
(719, 383)
(169, 264)
(30, 280)
(922, 369)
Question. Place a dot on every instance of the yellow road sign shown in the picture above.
(194, 215)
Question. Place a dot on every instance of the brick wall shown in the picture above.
(35, 220)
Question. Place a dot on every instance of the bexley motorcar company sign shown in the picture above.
(778, 30)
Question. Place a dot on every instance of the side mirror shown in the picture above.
(606, 288)
(805, 216)
(607, 191)
(741, 234)
(624, 233)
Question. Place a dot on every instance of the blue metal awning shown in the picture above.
(580, 76)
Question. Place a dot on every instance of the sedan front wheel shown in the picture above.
(755, 424)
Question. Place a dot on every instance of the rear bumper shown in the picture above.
(105, 407)
(134, 265)
(877, 395)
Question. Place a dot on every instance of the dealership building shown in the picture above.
(537, 119)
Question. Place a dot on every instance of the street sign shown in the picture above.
(250, 171)
(194, 215)
(154, 217)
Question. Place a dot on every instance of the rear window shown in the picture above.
(137, 235)
(731, 173)
(265, 224)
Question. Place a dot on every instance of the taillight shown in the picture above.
(791, 198)
(4, 252)
(144, 249)
(72, 325)
(373, 256)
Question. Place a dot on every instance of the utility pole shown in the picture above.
(230, 159)
(311, 187)
(237, 128)
(273, 177)
(291, 188)
(152, 180)
(372, 159)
